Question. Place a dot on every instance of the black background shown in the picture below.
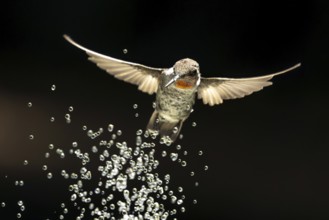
(268, 153)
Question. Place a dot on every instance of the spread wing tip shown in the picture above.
(289, 69)
(214, 90)
(66, 37)
(145, 77)
(71, 41)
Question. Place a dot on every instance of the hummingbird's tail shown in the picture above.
(164, 127)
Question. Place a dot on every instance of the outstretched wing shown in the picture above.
(146, 78)
(214, 90)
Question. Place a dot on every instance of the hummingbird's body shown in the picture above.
(176, 88)
(174, 102)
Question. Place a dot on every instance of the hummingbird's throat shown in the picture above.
(183, 84)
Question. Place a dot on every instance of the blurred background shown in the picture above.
(267, 153)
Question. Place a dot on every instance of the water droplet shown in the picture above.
(154, 105)
(83, 170)
(51, 146)
(125, 51)
(135, 106)
(49, 175)
(74, 144)
(52, 119)
(97, 191)
(84, 127)
(25, 162)
(180, 189)
(19, 215)
(94, 149)
(74, 176)
(110, 127)
(53, 87)
(73, 197)
(193, 124)
(3, 204)
(63, 172)
(200, 152)
(20, 203)
(182, 209)
(167, 177)
(196, 184)
(21, 183)
(68, 118)
(139, 132)
(29, 104)
(173, 156)
(173, 199)
(206, 167)
(192, 173)
(22, 208)
(136, 115)
(71, 109)
(164, 153)
(44, 167)
(195, 201)
(119, 132)
(178, 147)
(31, 136)
(183, 163)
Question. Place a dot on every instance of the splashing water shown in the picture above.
(126, 183)
(116, 172)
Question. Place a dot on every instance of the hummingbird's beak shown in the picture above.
(172, 80)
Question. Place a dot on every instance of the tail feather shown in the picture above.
(160, 125)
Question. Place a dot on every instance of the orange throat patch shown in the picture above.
(182, 84)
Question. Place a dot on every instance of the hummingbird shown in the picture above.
(177, 87)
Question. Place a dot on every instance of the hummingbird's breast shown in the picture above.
(184, 84)
(175, 102)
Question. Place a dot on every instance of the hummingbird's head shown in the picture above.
(186, 67)
(186, 71)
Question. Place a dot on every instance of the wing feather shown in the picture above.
(146, 78)
(214, 90)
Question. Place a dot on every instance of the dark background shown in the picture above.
(268, 153)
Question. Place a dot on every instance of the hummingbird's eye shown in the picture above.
(193, 72)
